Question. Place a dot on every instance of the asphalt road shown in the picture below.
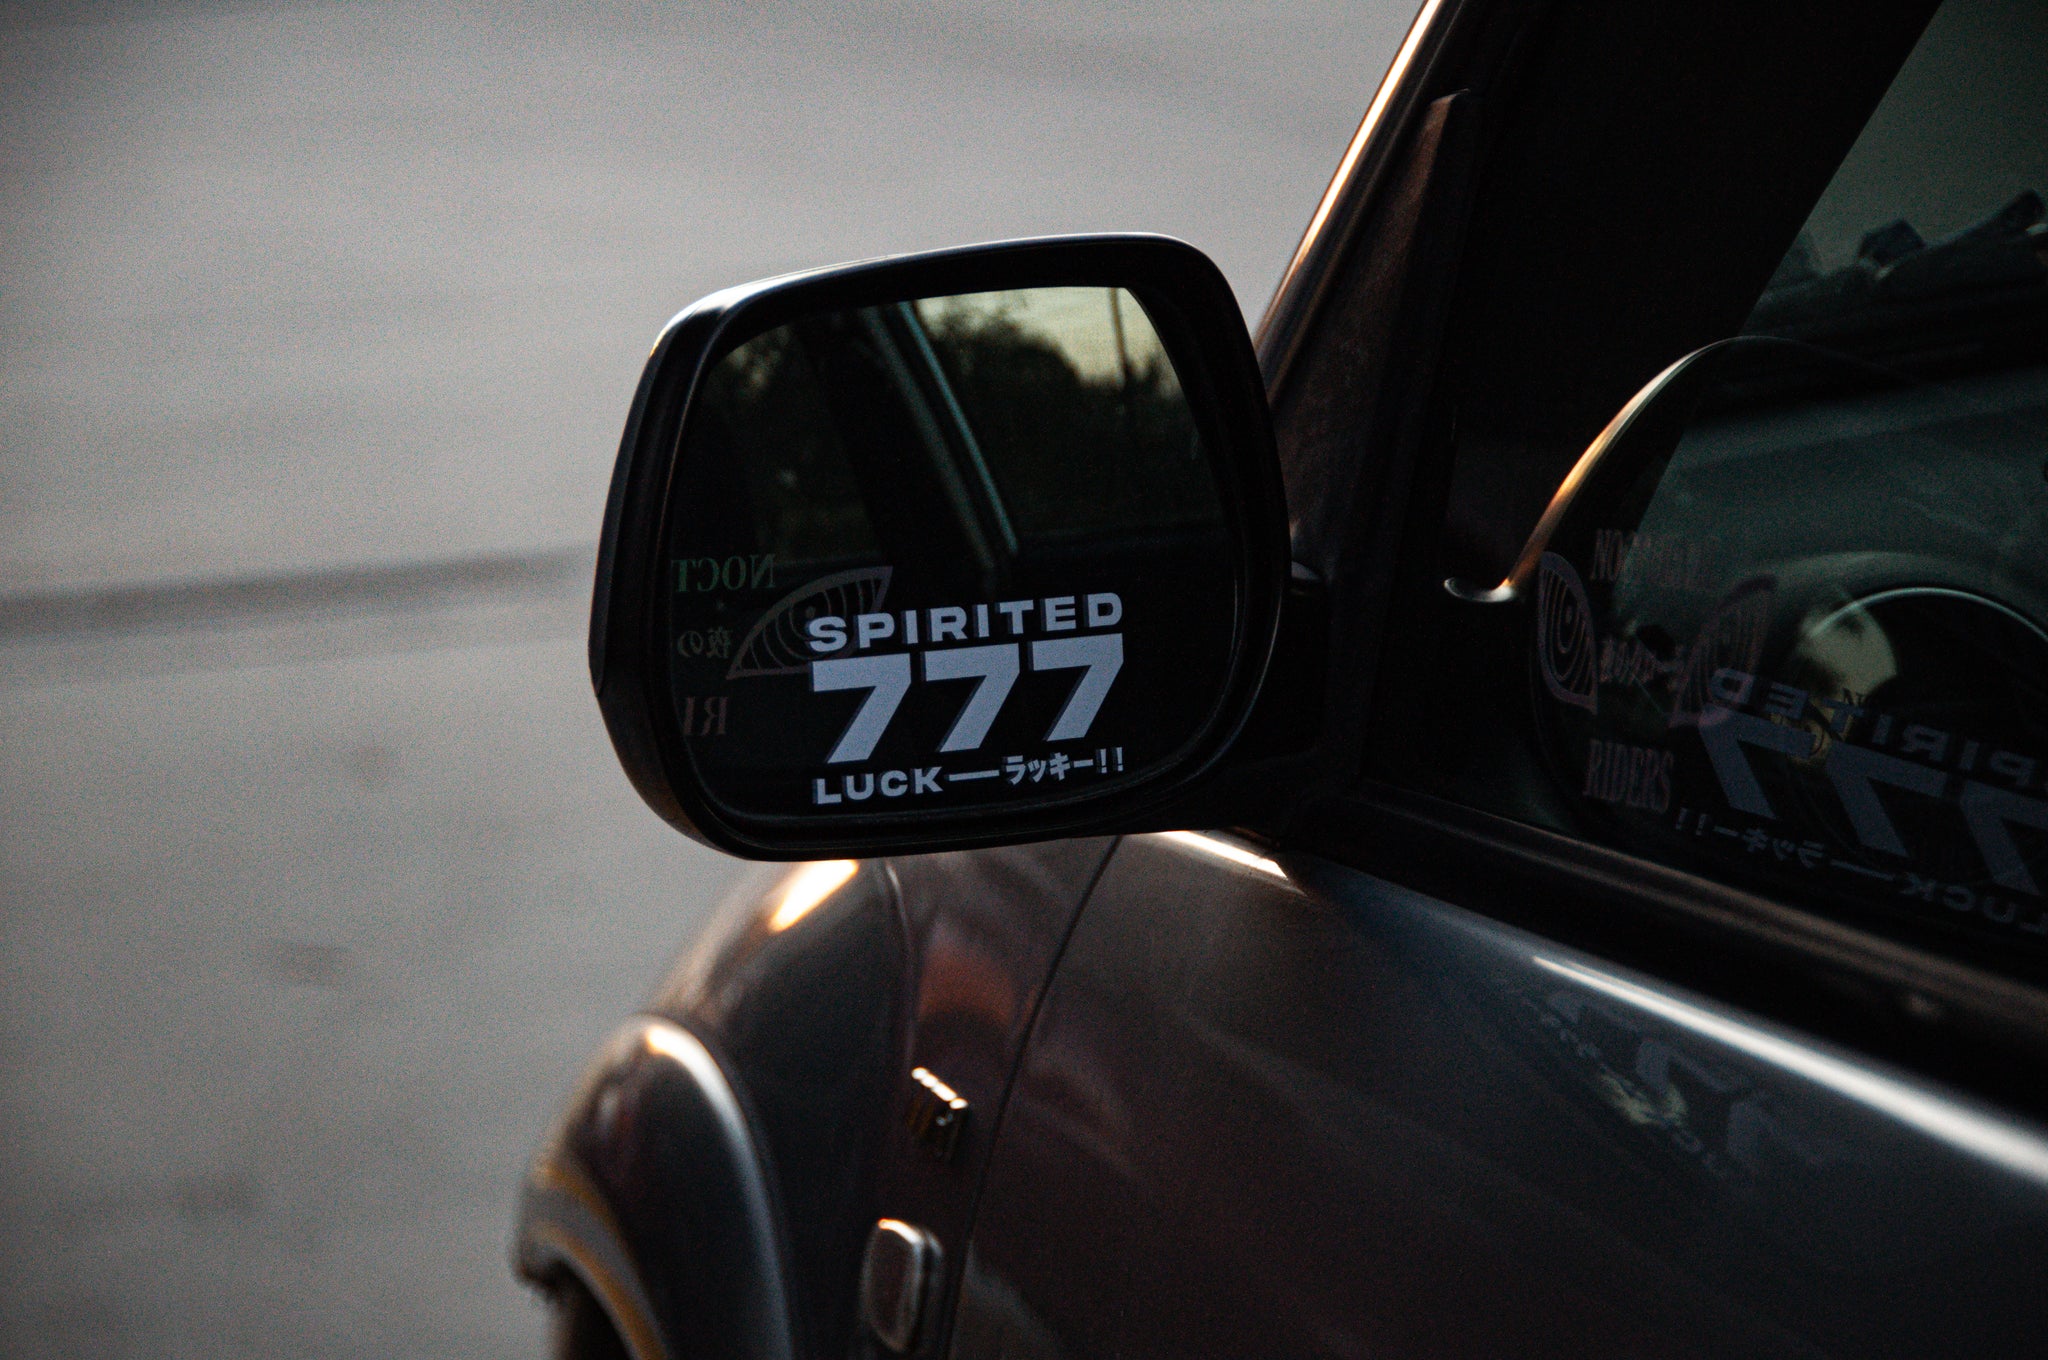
(318, 881)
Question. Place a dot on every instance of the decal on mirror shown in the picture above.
(995, 669)
(775, 645)
(837, 634)
(1100, 656)
(886, 678)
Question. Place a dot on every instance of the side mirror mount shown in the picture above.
(940, 551)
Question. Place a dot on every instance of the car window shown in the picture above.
(1786, 622)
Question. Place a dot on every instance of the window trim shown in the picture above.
(1946, 1019)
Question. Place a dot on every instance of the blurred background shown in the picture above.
(318, 323)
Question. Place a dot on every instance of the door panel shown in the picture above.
(1302, 1111)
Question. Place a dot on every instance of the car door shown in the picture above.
(1669, 982)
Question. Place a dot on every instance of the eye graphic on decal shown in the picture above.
(776, 644)
(1732, 638)
(1565, 646)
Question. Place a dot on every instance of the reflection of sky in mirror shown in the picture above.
(1085, 324)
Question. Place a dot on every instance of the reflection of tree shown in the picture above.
(763, 409)
(835, 436)
(1070, 452)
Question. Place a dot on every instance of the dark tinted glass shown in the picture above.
(942, 552)
(1787, 623)
(1803, 644)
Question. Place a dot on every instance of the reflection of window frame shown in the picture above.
(905, 345)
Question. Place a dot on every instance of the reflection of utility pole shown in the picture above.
(1123, 394)
(1116, 323)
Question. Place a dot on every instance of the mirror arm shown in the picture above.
(1274, 765)
(1287, 718)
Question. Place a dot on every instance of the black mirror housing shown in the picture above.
(980, 546)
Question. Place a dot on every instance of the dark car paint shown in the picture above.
(1323, 1115)
(935, 961)
(654, 1195)
(808, 1020)
(1262, 1115)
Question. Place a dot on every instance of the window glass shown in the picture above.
(1927, 245)
(1786, 622)
(1962, 131)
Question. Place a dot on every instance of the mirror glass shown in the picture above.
(944, 552)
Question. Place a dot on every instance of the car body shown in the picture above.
(1438, 1051)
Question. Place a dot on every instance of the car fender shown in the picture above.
(665, 1187)
(714, 1181)
(656, 1163)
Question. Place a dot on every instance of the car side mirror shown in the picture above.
(941, 551)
